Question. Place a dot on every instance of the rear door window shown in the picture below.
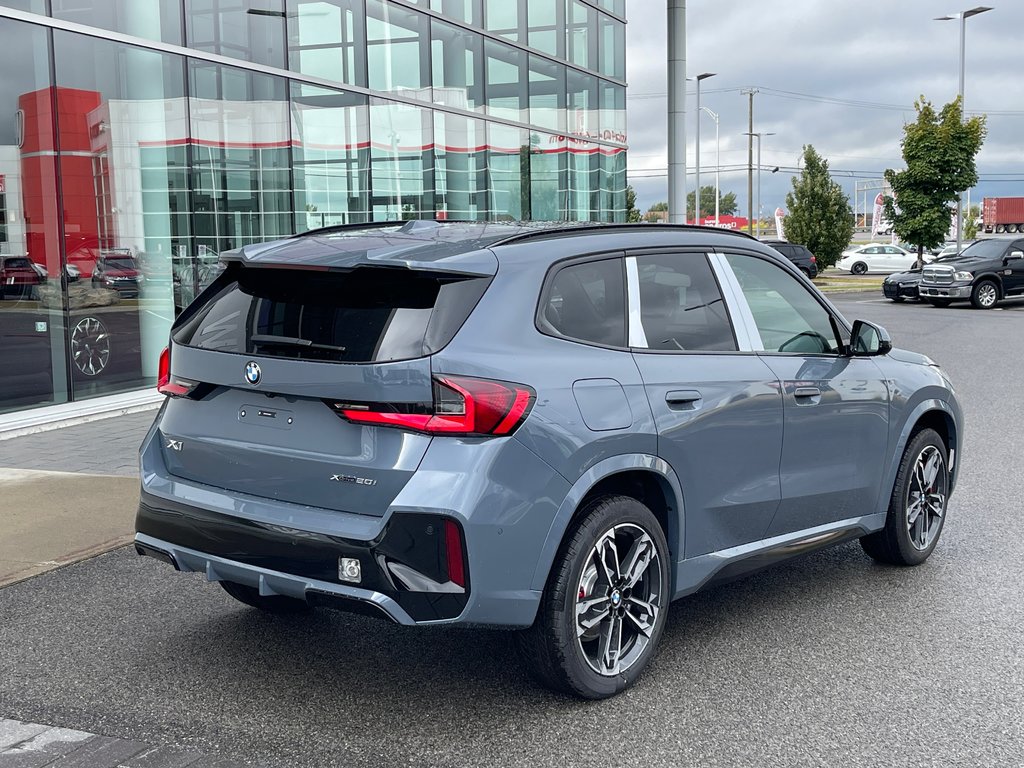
(587, 302)
(681, 307)
(365, 315)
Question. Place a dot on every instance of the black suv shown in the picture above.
(985, 273)
(798, 254)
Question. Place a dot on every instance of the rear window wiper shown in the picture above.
(266, 339)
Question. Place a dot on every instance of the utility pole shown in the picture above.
(750, 160)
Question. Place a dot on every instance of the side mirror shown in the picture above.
(1014, 255)
(869, 340)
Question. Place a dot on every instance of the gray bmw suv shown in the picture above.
(559, 429)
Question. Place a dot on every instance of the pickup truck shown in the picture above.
(985, 273)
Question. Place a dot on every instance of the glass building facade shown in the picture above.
(140, 138)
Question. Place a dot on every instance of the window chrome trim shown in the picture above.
(748, 338)
(635, 331)
(334, 85)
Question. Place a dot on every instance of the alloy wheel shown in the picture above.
(618, 599)
(90, 346)
(987, 295)
(926, 498)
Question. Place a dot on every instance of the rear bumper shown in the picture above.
(283, 560)
(271, 582)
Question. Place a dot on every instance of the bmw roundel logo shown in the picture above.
(253, 372)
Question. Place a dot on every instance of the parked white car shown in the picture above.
(878, 257)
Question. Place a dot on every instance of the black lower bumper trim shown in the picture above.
(415, 540)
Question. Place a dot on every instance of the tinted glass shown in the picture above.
(987, 249)
(787, 316)
(123, 132)
(397, 50)
(325, 39)
(245, 29)
(586, 302)
(158, 20)
(367, 315)
(544, 19)
(457, 60)
(681, 308)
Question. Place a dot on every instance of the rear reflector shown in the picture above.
(165, 385)
(461, 406)
(453, 547)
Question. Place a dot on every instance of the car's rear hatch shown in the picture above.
(270, 352)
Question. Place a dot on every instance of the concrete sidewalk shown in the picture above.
(68, 494)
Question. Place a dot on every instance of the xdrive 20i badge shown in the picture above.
(253, 374)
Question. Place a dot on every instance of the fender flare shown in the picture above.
(956, 439)
(605, 468)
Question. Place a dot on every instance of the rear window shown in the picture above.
(18, 263)
(366, 315)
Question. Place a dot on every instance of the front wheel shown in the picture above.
(860, 268)
(917, 507)
(985, 295)
(605, 604)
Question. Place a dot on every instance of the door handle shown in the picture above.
(683, 398)
(806, 393)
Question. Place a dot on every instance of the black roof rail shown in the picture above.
(408, 226)
(566, 229)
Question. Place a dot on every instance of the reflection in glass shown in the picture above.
(504, 17)
(584, 114)
(466, 11)
(31, 321)
(401, 161)
(581, 35)
(584, 161)
(613, 185)
(547, 94)
(158, 20)
(331, 156)
(613, 112)
(546, 177)
(122, 132)
(506, 81)
(508, 156)
(458, 67)
(325, 39)
(545, 19)
(612, 45)
(396, 49)
(241, 177)
(245, 29)
(460, 159)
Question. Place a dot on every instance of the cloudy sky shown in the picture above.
(839, 74)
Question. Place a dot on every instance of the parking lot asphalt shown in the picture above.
(828, 660)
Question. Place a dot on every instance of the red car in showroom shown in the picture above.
(17, 276)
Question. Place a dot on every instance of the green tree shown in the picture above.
(939, 149)
(819, 212)
(971, 217)
(632, 212)
(726, 203)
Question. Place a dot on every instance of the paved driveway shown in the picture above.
(831, 660)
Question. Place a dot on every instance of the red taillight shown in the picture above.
(453, 547)
(461, 406)
(814, 259)
(164, 385)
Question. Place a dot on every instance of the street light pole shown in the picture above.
(963, 16)
(718, 161)
(696, 196)
(758, 204)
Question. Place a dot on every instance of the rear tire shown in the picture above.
(269, 603)
(917, 507)
(600, 620)
(860, 268)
